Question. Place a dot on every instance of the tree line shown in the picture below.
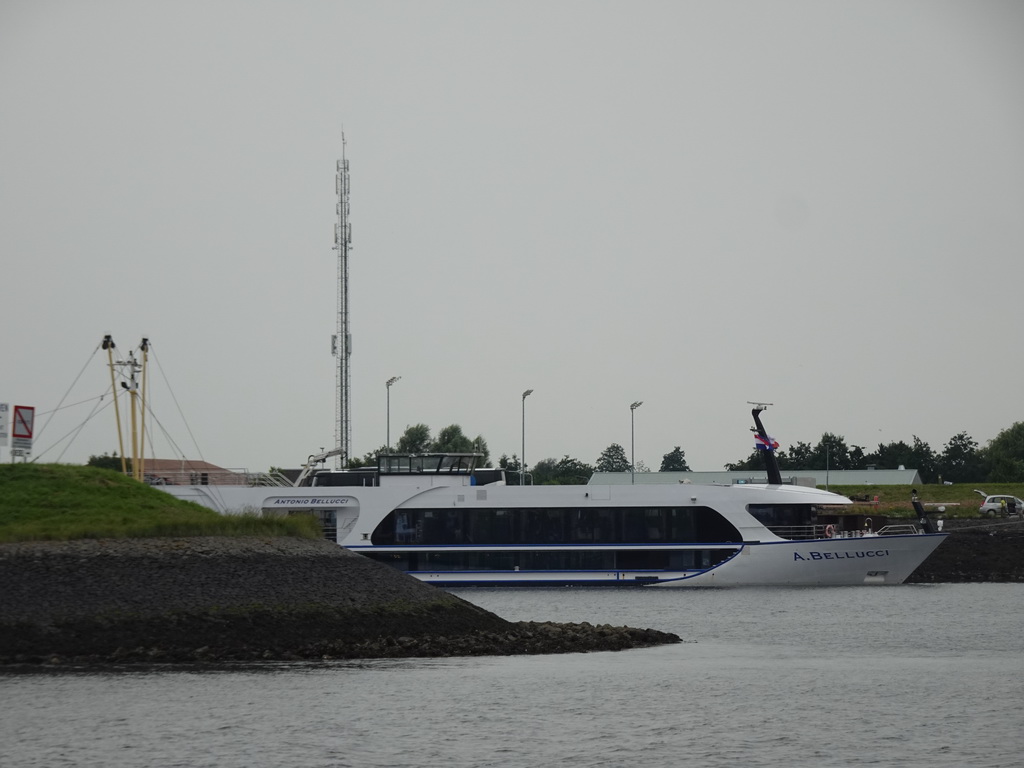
(564, 471)
(417, 439)
(960, 461)
(570, 471)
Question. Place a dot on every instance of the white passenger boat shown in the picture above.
(444, 521)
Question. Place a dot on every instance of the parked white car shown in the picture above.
(993, 505)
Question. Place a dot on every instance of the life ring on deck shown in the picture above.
(830, 531)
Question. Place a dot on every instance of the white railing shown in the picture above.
(898, 530)
(270, 479)
(796, 532)
(188, 476)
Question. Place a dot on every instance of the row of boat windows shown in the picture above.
(783, 514)
(556, 560)
(670, 525)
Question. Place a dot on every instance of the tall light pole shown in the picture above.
(826, 466)
(632, 441)
(522, 458)
(388, 384)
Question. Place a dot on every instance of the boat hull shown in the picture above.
(757, 557)
(869, 560)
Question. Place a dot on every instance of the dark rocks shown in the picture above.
(976, 551)
(247, 599)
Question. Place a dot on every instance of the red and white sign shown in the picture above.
(21, 427)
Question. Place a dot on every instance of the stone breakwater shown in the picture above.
(245, 599)
(976, 551)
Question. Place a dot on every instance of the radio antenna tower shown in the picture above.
(341, 343)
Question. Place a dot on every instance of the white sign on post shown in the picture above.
(5, 414)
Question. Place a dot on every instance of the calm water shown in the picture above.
(909, 676)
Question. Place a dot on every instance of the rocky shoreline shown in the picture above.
(220, 599)
(977, 550)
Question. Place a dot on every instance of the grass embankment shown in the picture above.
(61, 502)
(960, 500)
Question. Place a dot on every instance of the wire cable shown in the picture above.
(176, 404)
(74, 432)
(42, 428)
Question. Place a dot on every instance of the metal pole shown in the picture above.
(388, 384)
(632, 441)
(133, 396)
(144, 346)
(108, 344)
(522, 458)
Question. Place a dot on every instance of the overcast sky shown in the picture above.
(692, 204)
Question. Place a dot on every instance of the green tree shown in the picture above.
(796, 457)
(108, 461)
(960, 461)
(415, 439)
(480, 446)
(923, 459)
(564, 471)
(674, 461)
(545, 472)
(1005, 455)
(613, 459)
(890, 455)
(753, 462)
(831, 452)
(918, 455)
(510, 464)
(369, 459)
(573, 471)
(452, 440)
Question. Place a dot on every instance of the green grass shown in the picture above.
(961, 499)
(63, 501)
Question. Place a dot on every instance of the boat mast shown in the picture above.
(132, 385)
(136, 402)
(140, 466)
(108, 344)
(341, 344)
(771, 463)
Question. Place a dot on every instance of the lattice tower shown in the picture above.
(341, 345)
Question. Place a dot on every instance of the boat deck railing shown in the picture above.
(802, 532)
(269, 479)
(798, 532)
(219, 477)
(898, 530)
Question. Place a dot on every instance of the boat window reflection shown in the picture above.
(460, 527)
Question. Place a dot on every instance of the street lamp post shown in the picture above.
(522, 458)
(388, 384)
(826, 466)
(632, 441)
